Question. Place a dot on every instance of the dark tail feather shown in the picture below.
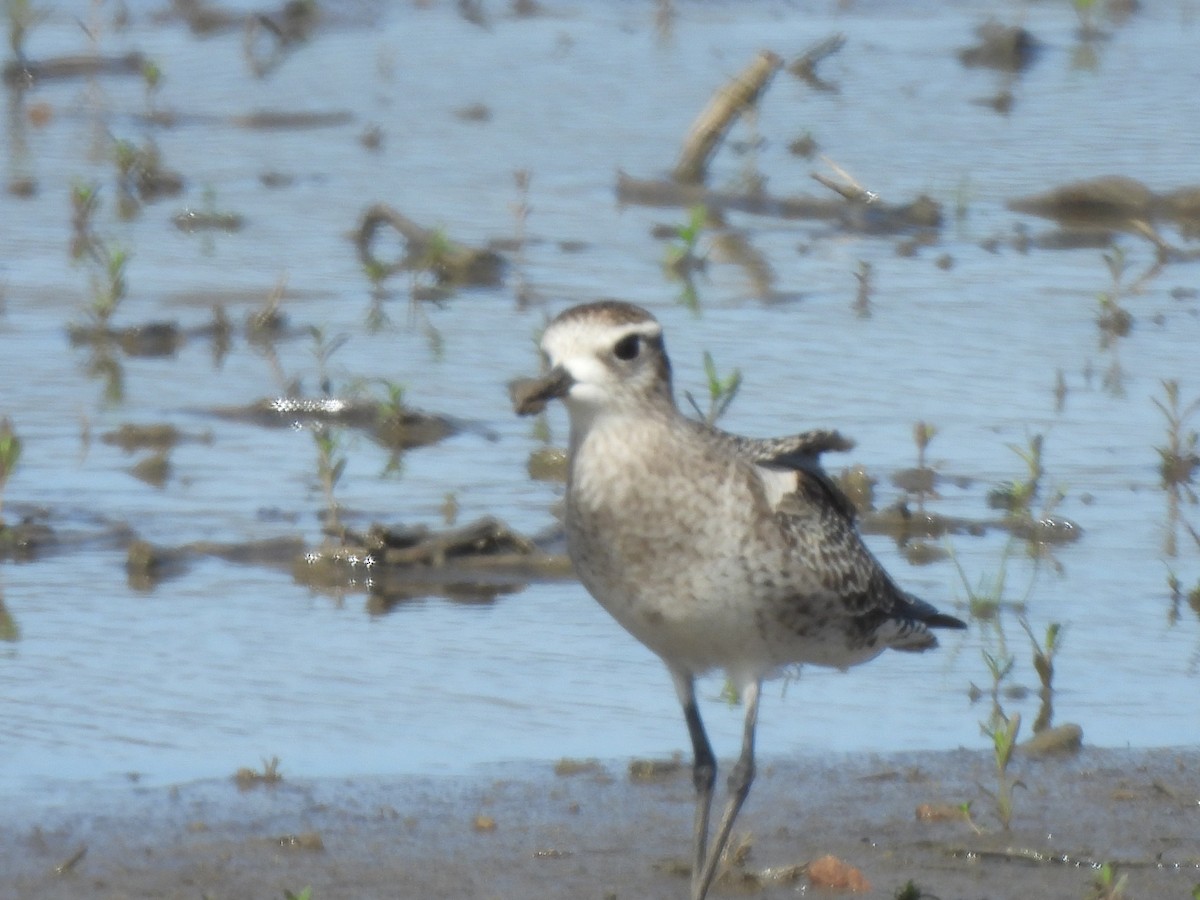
(941, 620)
(928, 615)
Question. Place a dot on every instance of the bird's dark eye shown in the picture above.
(628, 347)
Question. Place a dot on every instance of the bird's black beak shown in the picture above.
(530, 395)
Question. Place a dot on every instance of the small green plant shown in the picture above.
(391, 417)
(392, 406)
(1004, 741)
(331, 463)
(22, 17)
(964, 810)
(108, 283)
(1179, 459)
(247, 778)
(85, 202)
(1114, 320)
(521, 209)
(322, 350)
(1084, 9)
(985, 598)
(377, 273)
(681, 254)
(923, 434)
(1178, 598)
(305, 894)
(331, 460)
(1016, 497)
(910, 891)
(434, 257)
(1000, 667)
(721, 391)
(1108, 885)
(1043, 663)
(10, 455)
(9, 631)
(152, 78)
(919, 481)
(865, 276)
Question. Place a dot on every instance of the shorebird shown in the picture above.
(714, 550)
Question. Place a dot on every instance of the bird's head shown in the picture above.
(600, 357)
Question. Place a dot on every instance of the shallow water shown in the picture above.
(226, 664)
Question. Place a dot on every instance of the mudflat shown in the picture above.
(586, 829)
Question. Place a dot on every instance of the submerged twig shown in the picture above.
(711, 126)
(804, 66)
(449, 261)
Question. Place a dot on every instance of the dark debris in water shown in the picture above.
(194, 220)
(151, 339)
(1008, 48)
(1116, 202)
(147, 564)
(903, 524)
(162, 436)
(474, 563)
(857, 216)
(395, 429)
(25, 540)
(424, 249)
(27, 72)
(284, 120)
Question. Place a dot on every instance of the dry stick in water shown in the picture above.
(456, 263)
(730, 101)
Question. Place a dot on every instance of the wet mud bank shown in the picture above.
(588, 829)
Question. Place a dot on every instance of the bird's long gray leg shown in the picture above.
(740, 779)
(704, 771)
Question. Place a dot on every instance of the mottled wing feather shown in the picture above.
(828, 544)
(802, 448)
(799, 452)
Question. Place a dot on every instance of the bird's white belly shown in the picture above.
(687, 563)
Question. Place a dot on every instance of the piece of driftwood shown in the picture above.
(1107, 201)
(426, 249)
(711, 126)
(1008, 48)
(26, 72)
(1118, 203)
(871, 218)
(804, 66)
(475, 562)
(396, 429)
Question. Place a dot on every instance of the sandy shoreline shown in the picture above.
(525, 831)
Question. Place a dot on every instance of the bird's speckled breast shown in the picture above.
(667, 552)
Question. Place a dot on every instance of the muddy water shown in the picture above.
(224, 664)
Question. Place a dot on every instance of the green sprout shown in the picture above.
(435, 255)
(85, 201)
(865, 276)
(331, 463)
(109, 286)
(1004, 741)
(1179, 459)
(1043, 664)
(1109, 886)
(721, 391)
(10, 455)
(1114, 320)
(10, 632)
(22, 17)
(681, 255)
(1016, 497)
(152, 77)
